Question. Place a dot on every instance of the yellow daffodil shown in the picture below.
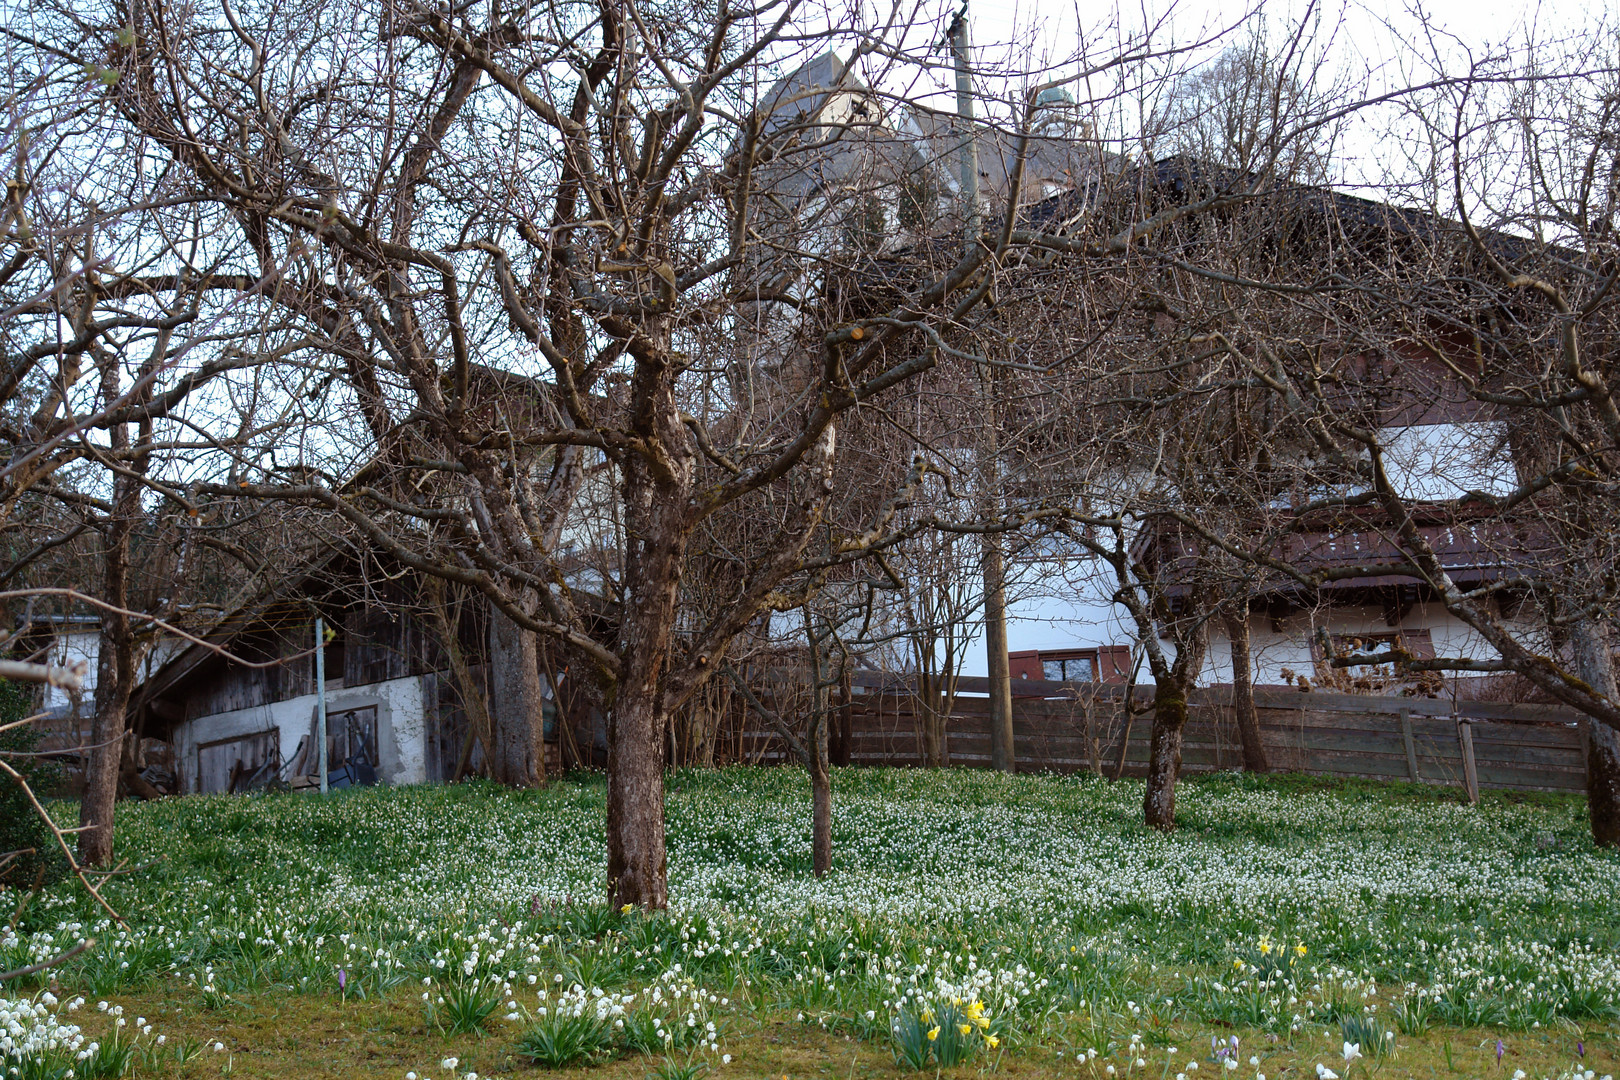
(1299, 950)
(1265, 945)
(991, 1041)
(964, 1029)
(626, 909)
(1238, 964)
(933, 1033)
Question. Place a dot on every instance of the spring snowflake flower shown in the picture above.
(725, 1059)
(219, 1048)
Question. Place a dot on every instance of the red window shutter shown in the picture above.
(1025, 664)
(1114, 663)
(1419, 643)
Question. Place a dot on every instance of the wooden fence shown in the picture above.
(1067, 727)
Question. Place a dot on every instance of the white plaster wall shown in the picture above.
(401, 728)
(1445, 461)
(85, 645)
(69, 649)
(1079, 615)
(1290, 647)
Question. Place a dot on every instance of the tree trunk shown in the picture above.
(1594, 661)
(820, 773)
(930, 710)
(518, 757)
(654, 495)
(636, 867)
(841, 747)
(115, 662)
(115, 670)
(1164, 763)
(1002, 756)
(1248, 717)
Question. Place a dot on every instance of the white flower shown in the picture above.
(1325, 1073)
(219, 1047)
(410, 1076)
(1351, 1051)
(449, 1063)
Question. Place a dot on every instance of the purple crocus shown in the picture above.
(1499, 1049)
(1580, 1048)
(343, 983)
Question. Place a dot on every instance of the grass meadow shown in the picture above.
(973, 924)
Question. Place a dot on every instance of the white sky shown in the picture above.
(1366, 32)
(1360, 48)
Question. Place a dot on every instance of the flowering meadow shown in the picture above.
(971, 919)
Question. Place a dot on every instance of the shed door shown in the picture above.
(237, 764)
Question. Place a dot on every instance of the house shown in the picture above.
(1442, 448)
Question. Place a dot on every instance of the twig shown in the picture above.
(68, 678)
(60, 958)
(61, 840)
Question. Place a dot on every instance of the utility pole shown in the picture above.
(320, 699)
(1002, 756)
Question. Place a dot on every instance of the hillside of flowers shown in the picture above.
(968, 915)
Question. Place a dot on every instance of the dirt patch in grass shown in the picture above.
(278, 1035)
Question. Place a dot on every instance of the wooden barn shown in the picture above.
(240, 708)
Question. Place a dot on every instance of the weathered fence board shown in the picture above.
(1066, 727)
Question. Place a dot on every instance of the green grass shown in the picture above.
(457, 913)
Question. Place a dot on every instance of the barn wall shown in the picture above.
(401, 727)
(234, 687)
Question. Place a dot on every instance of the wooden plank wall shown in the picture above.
(1078, 726)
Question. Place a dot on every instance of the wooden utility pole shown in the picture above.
(995, 565)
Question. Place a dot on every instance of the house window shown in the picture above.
(1416, 642)
(1074, 665)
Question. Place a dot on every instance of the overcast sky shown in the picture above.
(1365, 33)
